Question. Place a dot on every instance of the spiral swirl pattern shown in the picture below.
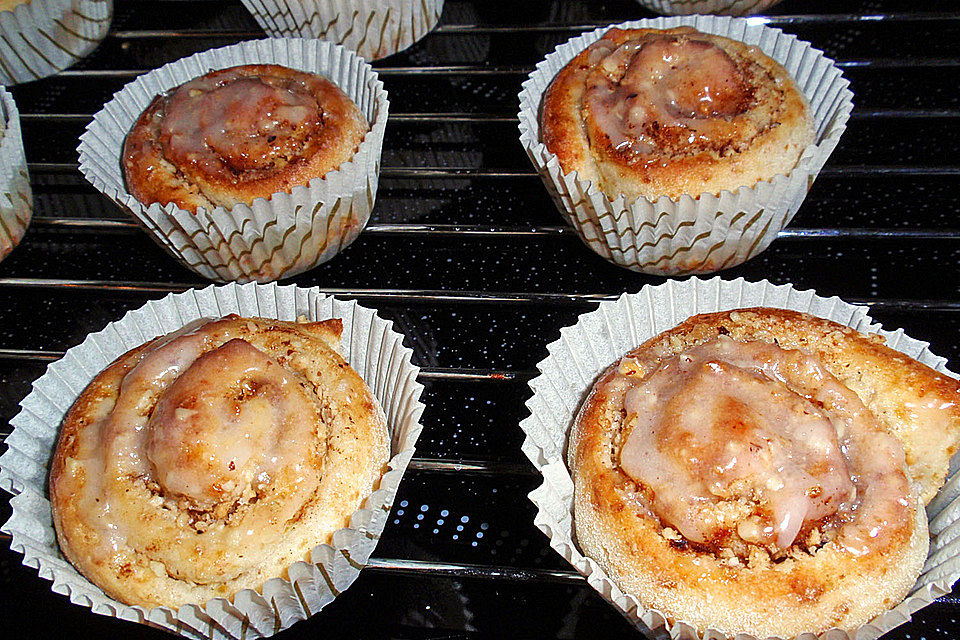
(209, 460)
(237, 134)
(761, 471)
(647, 113)
(746, 443)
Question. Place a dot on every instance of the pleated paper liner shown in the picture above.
(369, 344)
(270, 239)
(16, 197)
(600, 338)
(697, 233)
(715, 7)
(373, 28)
(43, 37)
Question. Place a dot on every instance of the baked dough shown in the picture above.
(237, 134)
(757, 471)
(10, 5)
(209, 460)
(650, 113)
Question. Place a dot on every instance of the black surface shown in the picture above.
(879, 227)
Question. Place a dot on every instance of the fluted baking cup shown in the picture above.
(16, 198)
(602, 337)
(716, 7)
(369, 344)
(270, 239)
(373, 28)
(696, 233)
(42, 37)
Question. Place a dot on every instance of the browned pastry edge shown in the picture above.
(806, 592)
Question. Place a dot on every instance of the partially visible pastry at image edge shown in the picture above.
(10, 5)
(762, 471)
(650, 113)
(211, 459)
(237, 134)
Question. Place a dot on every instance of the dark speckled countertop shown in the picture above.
(473, 263)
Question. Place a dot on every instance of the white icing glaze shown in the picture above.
(208, 431)
(210, 447)
(112, 448)
(236, 121)
(766, 430)
(664, 92)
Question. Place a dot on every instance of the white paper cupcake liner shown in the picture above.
(697, 233)
(42, 37)
(270, 239)
(715, 7)
(16, 197)
(369, 344)
(601, 337)
(373, 28)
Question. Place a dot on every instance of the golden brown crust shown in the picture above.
(237, 134)
(813, 589)
(635, 136)
(168, 545)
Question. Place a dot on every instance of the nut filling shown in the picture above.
(675, 95)
(755, 453)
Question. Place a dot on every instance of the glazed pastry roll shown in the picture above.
(649, 113)
(237, 134)
(211, 459)
(762, 471)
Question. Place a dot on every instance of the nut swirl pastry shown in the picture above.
(209, 460)
(237, 134)
(650, 113)
(758, 471)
